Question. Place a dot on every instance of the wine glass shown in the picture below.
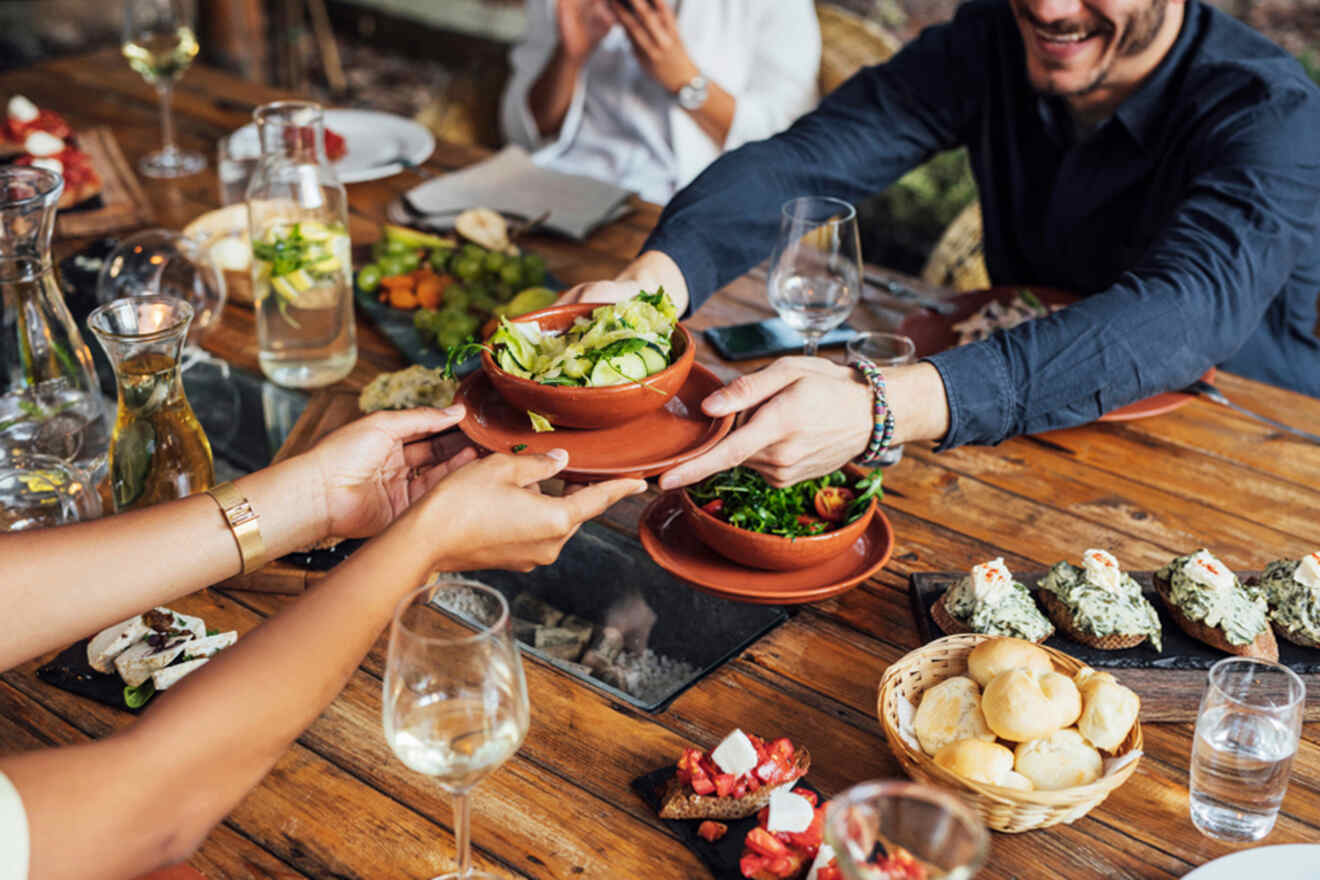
(161, 261)
(159, 44)
(816, 268)
(455, 702)
(873, 821)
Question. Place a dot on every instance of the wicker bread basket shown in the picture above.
(1002, 809)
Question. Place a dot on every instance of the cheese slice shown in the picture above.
(1308, 573)
(137, 663)
(824, 856)
(165, 678)
(194, 656)
(209, 646)
(735, 754)
(20, 109)
(1102, 570)
(40, 143)
(1208, 571)
(789, 812)
(112, 641)
(991, 582)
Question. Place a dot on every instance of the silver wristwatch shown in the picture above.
(693, 94)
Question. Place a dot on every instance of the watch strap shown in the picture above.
(244, 523)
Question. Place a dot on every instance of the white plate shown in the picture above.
(1293, 861)
(374, 139)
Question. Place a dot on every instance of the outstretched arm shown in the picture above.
(148, 796)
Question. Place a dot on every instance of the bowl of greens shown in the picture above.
(588, 365)
(739, 515)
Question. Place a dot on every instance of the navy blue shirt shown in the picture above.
(1188, 220)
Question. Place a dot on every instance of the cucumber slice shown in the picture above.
(509, 364)
(576, 368)
(617, 370)
(654, 360)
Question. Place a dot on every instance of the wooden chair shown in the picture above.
(958, 258)
(849, 42)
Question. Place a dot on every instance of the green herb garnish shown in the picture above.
(749, 502)
(136, 697)
(519, 447)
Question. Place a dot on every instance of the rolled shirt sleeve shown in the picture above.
(14, 844)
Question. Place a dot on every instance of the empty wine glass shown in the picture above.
(455, 701)
(160, 261)
(159, 43)
(816, 268)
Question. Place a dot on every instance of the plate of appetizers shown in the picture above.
(40, 137)
(667, 534)
(1185, 615)
(126, 664)
(362, 144)
(979, 313)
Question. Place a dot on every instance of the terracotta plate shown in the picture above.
(674, 547)
(932, 332)
(644, 447)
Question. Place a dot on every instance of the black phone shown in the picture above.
(771, 336)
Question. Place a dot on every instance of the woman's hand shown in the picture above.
(582, 25)
(653, 31)
(372, 469)
(649, 272)
(810, 417)
(491, 513)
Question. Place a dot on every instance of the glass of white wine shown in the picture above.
(816, 268)
(455, 701)
(159, 44)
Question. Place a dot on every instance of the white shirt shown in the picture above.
(13, 833)
(625, 128)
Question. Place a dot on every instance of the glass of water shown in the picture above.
(883, 350)
(455, 701)
(816, 269)
(1246, 735)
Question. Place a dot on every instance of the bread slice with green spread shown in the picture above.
(990, 601)
(1206, 599)
(1292, 591)
(1098, 604)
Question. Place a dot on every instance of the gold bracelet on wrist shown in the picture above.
(244, 523)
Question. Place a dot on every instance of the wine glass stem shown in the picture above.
(811, 342)
(166, 117)
(463, 832)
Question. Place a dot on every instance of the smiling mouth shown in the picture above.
(1069, 37)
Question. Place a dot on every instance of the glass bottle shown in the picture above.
(302, 271)
(49, 399)
(158, 450)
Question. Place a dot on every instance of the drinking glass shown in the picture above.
(1247, 731)
(872, 819)
(455, 702)
(236, 158)
(883, 350)
(159, 44)
(38, 491)
(161, 261)
(816, 268)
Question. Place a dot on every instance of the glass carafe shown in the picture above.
(158, 450)
(302, 272)
(49, 400)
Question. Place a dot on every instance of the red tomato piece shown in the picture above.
(752, 864)
(725, 784)
(832, 502)
(829, 872)
(761, 841)
(714, 506)
(712, 831)
(782, 750)
(701, 783)
(808, 794)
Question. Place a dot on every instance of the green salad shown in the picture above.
(624, 342)
(741, 497)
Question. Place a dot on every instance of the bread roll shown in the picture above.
(950, 711)
(1020, 706)
(977, 760)
(1014, 779)
(992, 657)
(1108, 709)
(1064, 759)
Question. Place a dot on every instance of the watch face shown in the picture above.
(693, 95)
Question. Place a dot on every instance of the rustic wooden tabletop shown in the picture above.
(338, 804)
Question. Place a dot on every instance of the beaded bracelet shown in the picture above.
(883, 432)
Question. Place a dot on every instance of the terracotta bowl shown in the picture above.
(772, 552)
(591, 407)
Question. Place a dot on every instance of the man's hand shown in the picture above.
(491, 513)
(582, 25)
(649, 272)
(653, 32)
(810, 417)
(372, 469)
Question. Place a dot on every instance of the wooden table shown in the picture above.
(339, 804)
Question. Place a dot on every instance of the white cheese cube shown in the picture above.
(112, 641)
(1308, 573)
(735, 754)
(40, 143)
(824, 856)
(49, 163)
(21, 109)
(137, 663)
(789, 812)
(163, 679)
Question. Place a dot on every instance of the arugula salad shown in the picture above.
(741, 497)
(624, 342)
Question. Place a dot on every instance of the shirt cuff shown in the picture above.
(976, 385)
(683, 244)
(14, 841)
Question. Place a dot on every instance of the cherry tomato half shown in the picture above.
(714, 506)
(832, 502)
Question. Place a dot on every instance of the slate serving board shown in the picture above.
(721, 856)
(70, 671)
(1169, 682)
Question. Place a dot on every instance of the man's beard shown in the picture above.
(1142, 31)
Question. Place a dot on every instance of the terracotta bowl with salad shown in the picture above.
(590, 366)
(739, 515)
